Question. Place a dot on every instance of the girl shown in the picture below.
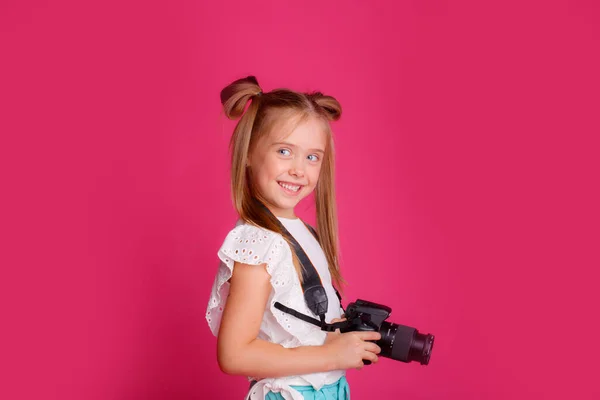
(282, 150)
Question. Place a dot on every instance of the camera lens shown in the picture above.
(404, 343)
(421, 348)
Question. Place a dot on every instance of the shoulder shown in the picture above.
(251, 244)
(249, 233)
(248, 236)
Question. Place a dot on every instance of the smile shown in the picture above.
(290, 187)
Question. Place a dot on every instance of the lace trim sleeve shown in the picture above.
(246, 244)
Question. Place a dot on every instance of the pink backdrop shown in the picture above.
(468, 187)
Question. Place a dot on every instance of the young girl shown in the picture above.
(282, 150)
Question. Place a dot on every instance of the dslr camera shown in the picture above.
(398, 342)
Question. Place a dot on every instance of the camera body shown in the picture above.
(398, 342)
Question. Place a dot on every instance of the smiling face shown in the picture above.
(285, 167)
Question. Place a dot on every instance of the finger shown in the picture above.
(367, 355)
(361, 365)
(369, 335)
(372, 347)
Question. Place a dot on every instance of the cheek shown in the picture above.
(275, 168)
(260, 175)
(269, 170)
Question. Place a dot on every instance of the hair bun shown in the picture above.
(330, 105)
(235, 96)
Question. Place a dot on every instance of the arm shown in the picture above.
(239, 352)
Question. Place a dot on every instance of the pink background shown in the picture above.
(468, 187)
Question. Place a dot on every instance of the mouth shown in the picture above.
(290, 187)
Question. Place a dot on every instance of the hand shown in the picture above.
(332, 335)
(349, 349)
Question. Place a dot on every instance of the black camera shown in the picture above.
(398, 342)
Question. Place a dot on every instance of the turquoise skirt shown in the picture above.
(335, 391)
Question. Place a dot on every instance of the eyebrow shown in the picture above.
(291, 145)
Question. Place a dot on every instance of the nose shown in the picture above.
(297, 168)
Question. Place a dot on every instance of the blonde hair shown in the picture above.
(264, 111)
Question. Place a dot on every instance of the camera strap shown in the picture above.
(314, 292)
(312, 230)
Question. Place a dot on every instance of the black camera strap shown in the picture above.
(314, 292)
(314, 233)
(324, 326)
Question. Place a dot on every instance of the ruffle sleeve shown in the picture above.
(253, 245)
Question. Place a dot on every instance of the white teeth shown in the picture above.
(290, 187)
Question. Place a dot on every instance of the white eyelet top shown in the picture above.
(252, 245)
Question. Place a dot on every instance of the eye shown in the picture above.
(284, 152)
(314, 157)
